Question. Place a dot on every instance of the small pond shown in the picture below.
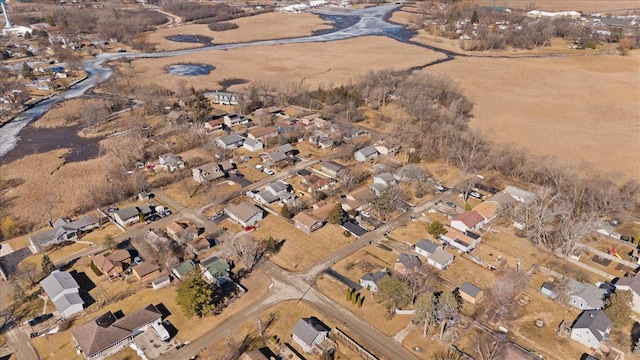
(193, 39)
(190, 69)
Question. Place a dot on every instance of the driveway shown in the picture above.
(152, 346)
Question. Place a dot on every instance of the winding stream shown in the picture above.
(349, 24)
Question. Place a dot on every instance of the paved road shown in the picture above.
(19, 342)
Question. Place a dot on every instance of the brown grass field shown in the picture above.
(602, 6)
(259, 27)
(583, 110)
(328, 64)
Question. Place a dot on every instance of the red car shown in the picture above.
(249, 228)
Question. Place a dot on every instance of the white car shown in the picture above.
(439, 187)
(269, 171)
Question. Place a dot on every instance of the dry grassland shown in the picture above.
(300, 249)
(591, 6)
(410, 233)
(328, 64)
(55, 117)
(428, 347)
(253, 28)
(583, 110)
(55, 255)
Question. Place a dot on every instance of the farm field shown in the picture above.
(329, 64)
(561, 107)
(253, 28)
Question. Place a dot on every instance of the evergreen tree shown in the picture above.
(436, 229)
(47, 266)
(618, 307)
(27, 71)
(195, 295)
(337, 216)
(474, 17)
(285, 212)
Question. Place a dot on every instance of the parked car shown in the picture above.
(39, 319)
(451, 204)
(475, 194)
(137, 260)
(365, 214)
(269, 171)
(627, 238)
(249, 228)
(439, 187)
(153, 217)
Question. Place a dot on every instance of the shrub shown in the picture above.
(224, 26)
(346, 233)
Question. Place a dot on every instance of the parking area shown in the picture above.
(152, 346)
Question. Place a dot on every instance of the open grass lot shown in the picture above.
(60, 345)
(300, 250)
(189, 193)
(259, 27)
(366, 260)
(559, 106)
(55, 255)
(286, 316)
(428, 346)
(330, 63)
(544, 339)
(410, 233)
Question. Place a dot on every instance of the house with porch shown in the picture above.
(309, 333)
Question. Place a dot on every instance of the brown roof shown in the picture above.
(145, 268)
(103, 332)
(119, 255)
(306, 219)
(487, 209)
(262, 131)
(102, 263)
(253, 355)
(107, 261)
(470, 218)
(322, 212)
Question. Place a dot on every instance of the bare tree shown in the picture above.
(573, 232)
(542, 217)
(502, 296)
(488, 347)
(247, 249)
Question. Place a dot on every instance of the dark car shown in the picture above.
(39, 319)
(627, 238)
(451, 204)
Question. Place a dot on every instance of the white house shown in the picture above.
(309, 332)
(591, 328)
(370, 281)
(64, 292)
(224, 98)
(127, 216)
(631, 283)
(520, 195)
(426, 247)
(171, 162)
(233, 119)
(244, 213)
(586, 296)
(230, 142)
(468, 220)
(463, 241)
(366, 154)
(252, 145)
(441, 259)
(277, 187)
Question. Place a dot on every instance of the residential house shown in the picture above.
(307, 222)
(631, 283)
(160, 282)
(287, 149)
(213, 125)
(354, 227)
(244, 213)
(586, 296)
(113, 264)
(366, 154)
(277, 157)
(200, 244)
(183, 231)
(64, 292)
(263, 133)
(410, 173)
(382, 182)
(215, 270)
(223, 98)
(227, 166)
(284, 126)
(146, 271)
(370, 280)
(265, 197)
(518, 194)
(171, 162)
(470, 293)
(183, 269)
(157, 239)
(270, 112)
(230, 142)
(332, 168)
(106, 334)
(468, 220)
(207, 173)
(278, 187)
(406, 264)
(63, 230)
(321, 140)
(488, 210)
(591, 328)
(127, 216)
(316, 183)
(426, 247)
(502, 200)
(252, 145)
(441, 259)
(357, 199)
(233, 120)
(308, 119)
(322, 209)
(309, 332)
(463, 241)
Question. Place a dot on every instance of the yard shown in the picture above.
(300, 250)
(410, 233)
(189, 193)
(423, 348)
(60, 345)
(285, 315)
(58, 253)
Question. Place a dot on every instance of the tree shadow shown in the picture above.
(68, 265)
(635, 334)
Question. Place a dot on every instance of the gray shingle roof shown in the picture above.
(285, 148)
(231, 139)
(375, 277)
(368, 151)
(594, 320)
(331, 165)
(127, 213)
(441, 257)
(66, 301)
(470, 289)
(409, 261)
(427, 245)
(593, 296)
(387, 177)
(57, 282)
(307, 329)
(633, 282)
(243, 211)
(277, 156)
